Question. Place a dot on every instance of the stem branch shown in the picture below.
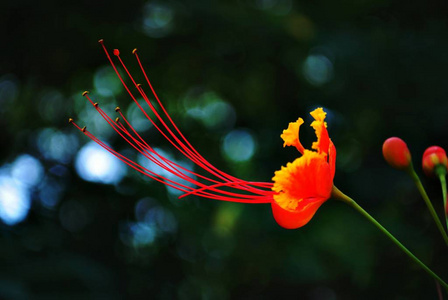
(341, 196)
(422, 191)
(443, 183)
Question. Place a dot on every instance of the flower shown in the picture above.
(298, 189)
(434, 160)
(396, 153)
(306, 183)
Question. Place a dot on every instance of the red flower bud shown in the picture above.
(396, 153)
(433, 157)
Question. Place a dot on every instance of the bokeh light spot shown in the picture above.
(153, 221)
(95, 164)
(239, 145)
(106, 82)
(15, 201)
(157, 19)
(317, 69)
(186, 164)
(210, 109)
(162, 219)
(95, 123)
(147, 164)
(138, 119)
(50, 193)
(142, 234)
(27, 170)
(56, 145)
(142, 207)
(217, 114)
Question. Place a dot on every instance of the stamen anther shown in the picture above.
(70, 120)
(133, 51)
(101, 41)
(117, 109)
(117, 119)
(85, 93)
(95, 104)
(116, 52)
(139, 84)
(84, 129)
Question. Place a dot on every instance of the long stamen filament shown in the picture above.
(247, 192)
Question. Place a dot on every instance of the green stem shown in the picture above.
(443, 183)
(422, 191)
(337, 194)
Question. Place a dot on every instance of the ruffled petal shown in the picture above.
(290, 135)
(301, 187)
(320, 127)
(318, 114)
(306, 177)
(295, 219)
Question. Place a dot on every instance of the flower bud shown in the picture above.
(396, 153)
(434, 161)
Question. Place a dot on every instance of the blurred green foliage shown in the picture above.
(378, 66)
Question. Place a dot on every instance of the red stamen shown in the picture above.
(185, 151)
(193, 154)
(167, 164)
(259, 192)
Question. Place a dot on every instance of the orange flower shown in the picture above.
(298, 189)
(304, 184)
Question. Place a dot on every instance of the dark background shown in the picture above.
(378, 67)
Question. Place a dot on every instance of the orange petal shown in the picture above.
(301, 187)
(306, 177)
(294, 219)
(290, 135)
(320, 127)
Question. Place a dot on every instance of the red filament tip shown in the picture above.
(116, 52)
